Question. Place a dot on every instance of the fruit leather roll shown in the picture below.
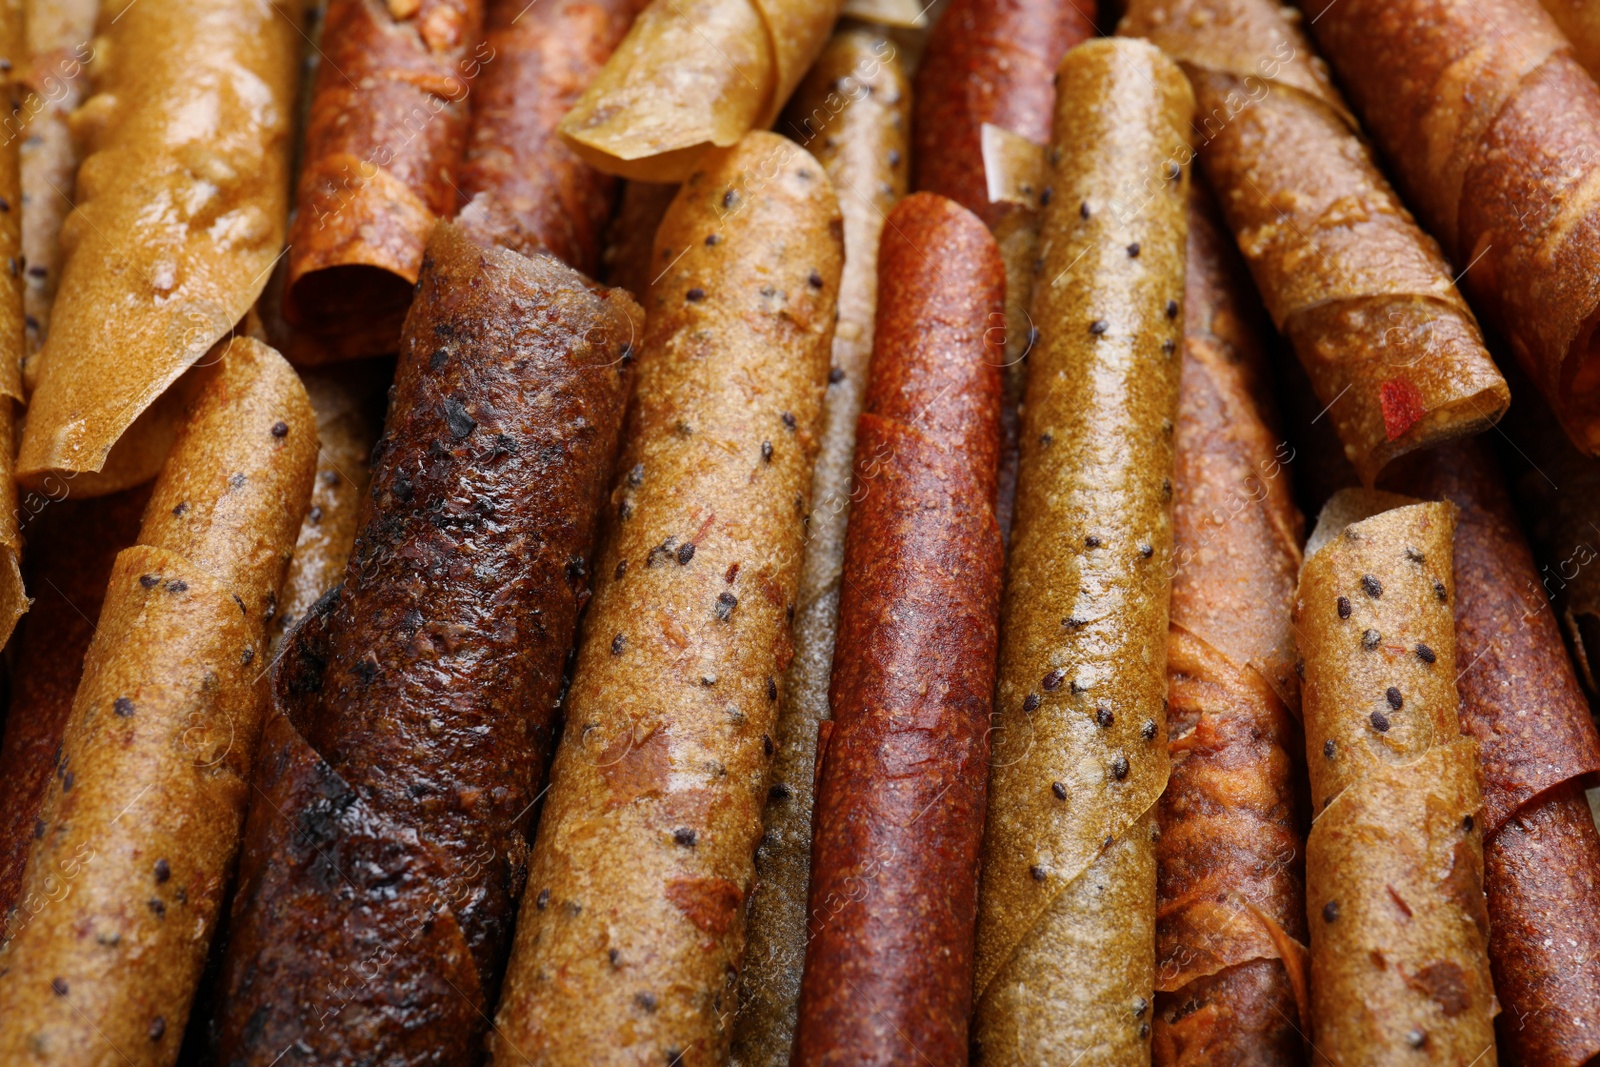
(1580, 21)
(902, 776)
(13, 598)
(54, 79)
(989, 71)
(415, 703)
(73, 544)
(1361, 292)
(381, 163)
(524, 188)
(1066, 915)
(196, 98)
(141, 823)
(1394, 862)
(692, 75)
(348, 400)
(630, 242)
(1492, 132)
(1521, 701)
(1230, 888)
(631, 935)
(853, 109)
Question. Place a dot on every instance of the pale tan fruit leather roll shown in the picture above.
(692, 75)
(181, 204)
(854, 112)
(141, 823)
(1066, 914)
(1394, 861)
(631, 931)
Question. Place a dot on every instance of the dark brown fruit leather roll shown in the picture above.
(1230, 864)
(1537, 745)
(904, 770)
(413, 707)
(381, 163)
(524, 188)
(993, 63)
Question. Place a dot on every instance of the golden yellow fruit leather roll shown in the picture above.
(630, 937)
(692, 75)
(1066, 917)
(1394, 863)
(141, 824)
(181, 205)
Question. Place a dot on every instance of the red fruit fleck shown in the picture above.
(1402, 406)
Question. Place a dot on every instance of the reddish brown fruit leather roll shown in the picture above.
(1230, 864)
(1537, 744)
(381, 162)
(414, 706)
(900, 802)
(525, 189)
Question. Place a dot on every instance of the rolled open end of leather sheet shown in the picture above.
(1066, 912)
(692, 75)
(1365, 296)
(1492, 131)
(1394, 862)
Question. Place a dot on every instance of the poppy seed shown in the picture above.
(1425, 654)
(766, 451)
(1038, 872)
(1371, 639)
(1392, 694)
(1344, 607)
(1466, 824)
(1172, 309)
(1439, 591)
(1030, 702)
(789, 422)
(1330, 911)
(695, 295)
(726, 602)
(618, 643)
(1119, 767)
(1133, 250)
(1371, 586)
(1053, 680)
(684, 836)
(1149, 730)
(1329, 749)
(685, 553)
(772, 689)
(1099, 326)
(123, 707)
(280, 429)
(1415, 555)
(1380, 722)
(1059, 789)
(1103, 717)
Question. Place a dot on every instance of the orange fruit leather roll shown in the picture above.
(989, 71)
(195, 98)
(853, 112)
(1365, 296)
(381, 163)
(523, 187)
(54, 80)
(1066, 914)
(1230, 864)
(1521, 701)
(1492, 131)
(1394, 862)
(140, 825)
(631, 933)
(692, 75)
(903, 768)
(414, 705)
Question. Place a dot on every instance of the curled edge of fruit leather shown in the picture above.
(348, 400)
(140, 303)
(372, 181)
(863, 147)
(74, 544)
(415, 658)
(1231, 957)
(645, 852)
(1492, 130)
(692, 75)
(1363, 293)
(141, 823)
(1394, 861)
(985, 93)
(1065, 954)
(902, 779)
(523, 188)
(1541, 847)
